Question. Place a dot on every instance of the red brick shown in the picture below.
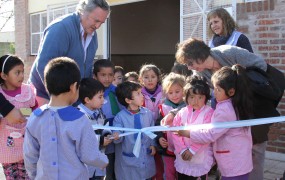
(272, 3)
(265, 5)
(248, 7)
(260, 41)
(280, 150)
(277, 28)
(268, 22)
(277, 41)
(272, 137)
(254, 7)
(262, 16)
(273, 61)
(282, 106)
(264, 55)
(260, 6)
(243, 29)
(268, 35)
(277, 143)
(272, 149)
(261, 28)
(268, 48)
(277, 54)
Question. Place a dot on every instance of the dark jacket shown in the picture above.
(264, 107)
(5, 106)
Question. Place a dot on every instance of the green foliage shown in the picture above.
(7, 48)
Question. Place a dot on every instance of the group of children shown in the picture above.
(58, 141)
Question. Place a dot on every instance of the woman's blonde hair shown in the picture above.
(171, 79)
(229, 25)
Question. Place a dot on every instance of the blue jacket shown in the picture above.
(59, 143)
(62, 38)
(127, 166)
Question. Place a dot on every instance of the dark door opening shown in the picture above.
(145, 32)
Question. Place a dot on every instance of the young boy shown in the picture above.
(118, 75)
(59, 139)
(132, 76)
(103, 71)
(127, 166)
(91, 94)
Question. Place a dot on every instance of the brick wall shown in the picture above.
(263, 23)
(22, 34)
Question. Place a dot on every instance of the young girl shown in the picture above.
(118, 75)
(232, 147)
(22, 96)
(150, 79)
(172, 86)
(127, 165)
(193, 160)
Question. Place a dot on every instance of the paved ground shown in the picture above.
(273, 168)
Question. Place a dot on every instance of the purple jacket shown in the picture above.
(232, 147)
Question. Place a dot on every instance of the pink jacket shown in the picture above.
(12, 136)
(232, 147)
(153, 106)
(165, 110)
(203, 159)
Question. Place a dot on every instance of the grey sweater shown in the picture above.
(228, 55)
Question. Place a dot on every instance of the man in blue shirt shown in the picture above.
(74, 36)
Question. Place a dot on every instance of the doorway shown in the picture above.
(145, 32)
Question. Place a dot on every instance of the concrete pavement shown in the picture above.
(274, 167)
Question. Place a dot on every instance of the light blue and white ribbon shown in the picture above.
(149, 130)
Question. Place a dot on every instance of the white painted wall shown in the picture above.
(8, 36)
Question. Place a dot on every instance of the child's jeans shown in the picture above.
(169, 169)
(15, 171)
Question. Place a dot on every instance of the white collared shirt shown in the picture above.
(85, 43)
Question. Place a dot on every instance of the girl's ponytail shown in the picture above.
(242, 100)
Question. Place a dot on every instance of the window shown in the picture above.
(193, 16)
(39, 22)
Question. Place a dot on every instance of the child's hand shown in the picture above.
(15, 117)
(184, 133)
(163, 142)
(107, 141)
(167, 120)
(186, 155)
(116, 136)
(153, 150)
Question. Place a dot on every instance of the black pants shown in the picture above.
(110, 169)
(186, 177)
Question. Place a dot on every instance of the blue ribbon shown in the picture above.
(149, 130)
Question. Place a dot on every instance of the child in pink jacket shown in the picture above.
(23, 97)
(172, 86)
(232, 147)
(193, 159)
